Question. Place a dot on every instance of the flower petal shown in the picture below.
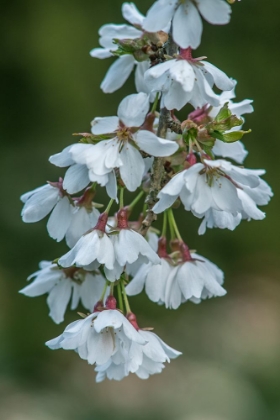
(133, 109)
(118, 73)
(155, 146)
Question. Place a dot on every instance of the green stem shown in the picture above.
(121, 198)
(93, 186)
(154, 107)
(164, 226)
(126, 303)
(104, 291)
(109, 205)
(136, 199)
(173, 221)
(120, 299)
(171, 227)
(112, 289)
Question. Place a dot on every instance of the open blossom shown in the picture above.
(194, 279)
(180, 277)
(121, 150)
(43, 200)
(98, 337)
(142, 360)
(120, 70)
(130, 248)
(186, 80)
(76, 177)
(70, 218)
(186, 21)
(93, 248)
(220, 186)
(114, 249)
(64, 285)
(116, 345)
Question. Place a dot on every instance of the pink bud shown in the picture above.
(111, 303)
(191, 159)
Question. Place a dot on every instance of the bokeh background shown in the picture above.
(230, 368)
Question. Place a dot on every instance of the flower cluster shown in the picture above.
(145, 149)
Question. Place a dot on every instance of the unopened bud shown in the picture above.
(191, 159)
(111, 303)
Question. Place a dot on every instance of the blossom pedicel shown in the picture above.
(146, 150)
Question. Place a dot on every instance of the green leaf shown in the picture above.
(223, 113)
(230, 137)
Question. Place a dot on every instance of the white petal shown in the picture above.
(133, 109)
(118, 73)
(222, 81)
(100, 53)
(216, 12)
(58, 300)
(133, 167)
(60, 219)
(76, 178)
(235, 151)
(136, 285)
(104, 125)
(187, 26)
(132, 14)
(154, 145)
(63, 158)
(39, 204)
(183, 73)
(159, 15)
(111, 186)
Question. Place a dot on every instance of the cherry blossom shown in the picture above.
(122, 149)
(64, 285)
(185, 16)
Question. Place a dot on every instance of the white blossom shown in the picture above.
(43, 200)
(120, 70)
(193, 280)
(143, 360)
(76, 177)
(185, 16)
(94, 247)
(153, 278)
(130, 247)
(214, 187)
(187, 80)
(99, 337)
(64, 285)
(121, 151)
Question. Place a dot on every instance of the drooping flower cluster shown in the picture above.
(145, 149)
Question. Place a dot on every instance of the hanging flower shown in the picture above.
(61, 285)
(187, 80)
(143, 360)
(185, 16)
(121, 69)
(121, 151)
(129, 247)
(99, 337)
(43, 200)
(182, 276)
(94, 247)
(220, 186)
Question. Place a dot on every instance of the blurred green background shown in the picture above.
(230, 369)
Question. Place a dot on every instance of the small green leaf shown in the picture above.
(230, 137)
(223, 114)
